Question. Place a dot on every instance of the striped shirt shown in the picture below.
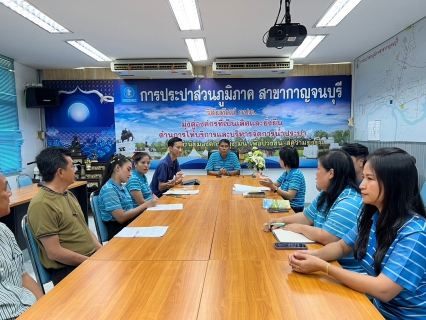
(341, 218)
(113, 197)
(404, 263)
(216, 162)
(139, 182)
(294, 180)
(14, 298)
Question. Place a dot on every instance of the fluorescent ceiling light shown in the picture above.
(86, 48)
(337, 12)
(186, 14)
(307, 46)
(197, 49)
(31, 13)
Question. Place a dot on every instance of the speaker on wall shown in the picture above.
(39, 97)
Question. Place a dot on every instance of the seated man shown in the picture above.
(223, 163)
(168, 173)
(18, 291)
(55, 217)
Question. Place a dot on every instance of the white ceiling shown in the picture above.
(232, 29)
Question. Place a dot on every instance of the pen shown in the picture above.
(137, 231)
(276, 224)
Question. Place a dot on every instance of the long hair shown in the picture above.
(396, 174)
(344, 176)
(114, 160)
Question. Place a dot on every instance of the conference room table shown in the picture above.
(214, 262)
(20, 200)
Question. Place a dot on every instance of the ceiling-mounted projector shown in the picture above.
(286, 35)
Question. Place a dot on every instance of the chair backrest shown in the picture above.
(423, 193)
(23, 180)
(237, 153)
(41, 273)
(101, 228)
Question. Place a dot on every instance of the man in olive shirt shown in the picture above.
(55, 217)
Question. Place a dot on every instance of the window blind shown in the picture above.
(10, 136)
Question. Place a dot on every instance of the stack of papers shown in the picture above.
(161, 207)
(142, 232)
(241, 188)
(181, 191)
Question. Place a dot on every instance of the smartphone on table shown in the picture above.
(290, 246)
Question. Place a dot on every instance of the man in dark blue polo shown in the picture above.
(168, 173)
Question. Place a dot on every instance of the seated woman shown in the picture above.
(336, 208)
(115, 202)
(138, 185)
(291, 185)
(389, 240)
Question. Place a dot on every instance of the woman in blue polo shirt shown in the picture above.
(138, 185)
(335, 210)
(115, 201)
(291, 185)
(390, 239)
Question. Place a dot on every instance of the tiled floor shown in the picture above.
(27, 260)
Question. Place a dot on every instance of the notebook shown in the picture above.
(290, 236)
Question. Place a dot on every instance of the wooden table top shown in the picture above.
(239, 232)
(125, 290)
(25, 194)
(214, 262)
(235, 289)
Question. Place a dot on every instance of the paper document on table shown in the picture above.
(241, 188)
(290, 236)
(181, 191)
(161, 207)
(142, 232)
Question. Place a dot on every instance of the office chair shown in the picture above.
(41, 273)
(423, 193)
(101, 228)
(23, 180)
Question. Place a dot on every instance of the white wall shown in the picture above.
(29, 121)
(274, 174)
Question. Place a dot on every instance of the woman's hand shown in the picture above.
(306, 262)
(268, 227)
(152, 203)
(295, 227)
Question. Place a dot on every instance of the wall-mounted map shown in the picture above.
(390, 87)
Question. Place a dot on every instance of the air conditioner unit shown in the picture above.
(151, 69)
(252, 68)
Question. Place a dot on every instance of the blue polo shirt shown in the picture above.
(216, 162)
(341, 218)
(112, 197)
(139, 182)
(404, 263)
(294, 180)
(165, 171)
